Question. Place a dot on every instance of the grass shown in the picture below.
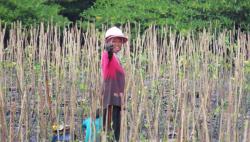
(178, 87)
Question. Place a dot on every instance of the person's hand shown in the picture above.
(109, 48)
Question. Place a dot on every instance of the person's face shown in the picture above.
(117, 44)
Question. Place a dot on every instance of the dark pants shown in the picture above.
(113, 115)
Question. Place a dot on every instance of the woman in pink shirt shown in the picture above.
(113, 80)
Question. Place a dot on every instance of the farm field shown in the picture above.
(192, 87)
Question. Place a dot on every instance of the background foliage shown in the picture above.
(182, 15)
(30, 12)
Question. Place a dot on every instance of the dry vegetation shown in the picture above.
(183, 88)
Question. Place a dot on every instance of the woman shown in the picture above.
(113, 80)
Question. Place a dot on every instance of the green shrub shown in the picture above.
(30, 12)
(182, 15)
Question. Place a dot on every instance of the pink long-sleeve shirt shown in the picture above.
(113, 80)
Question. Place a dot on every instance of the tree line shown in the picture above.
(181, 15)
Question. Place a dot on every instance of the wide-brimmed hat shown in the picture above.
(115, 32)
